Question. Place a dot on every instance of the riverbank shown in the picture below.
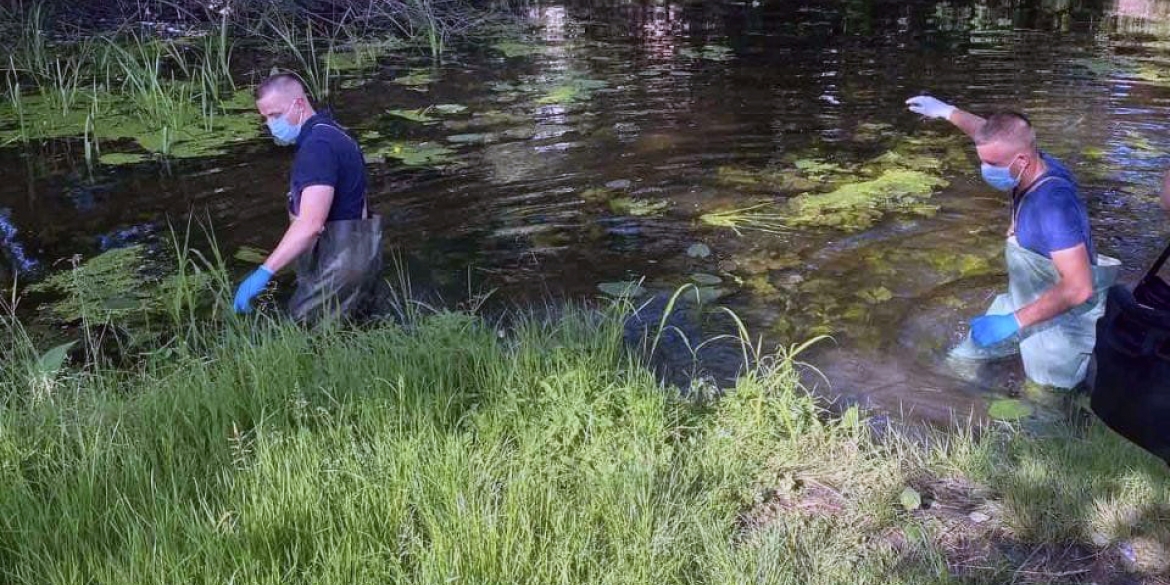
(534, 450)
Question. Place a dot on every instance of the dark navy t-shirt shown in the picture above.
(326, 155)
(1051, 216)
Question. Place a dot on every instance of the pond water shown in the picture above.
(590, 159)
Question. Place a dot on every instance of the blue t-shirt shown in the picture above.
(326, 155)
(1050, 216)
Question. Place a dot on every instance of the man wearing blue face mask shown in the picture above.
(333, 238)
(1056, 280)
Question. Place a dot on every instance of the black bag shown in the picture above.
(1131, 390)
(1152, 291)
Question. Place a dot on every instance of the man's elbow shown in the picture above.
(1080, 294)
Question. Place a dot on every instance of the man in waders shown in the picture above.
(1056, 281)
(333, 238)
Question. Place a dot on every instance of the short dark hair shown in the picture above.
(1007, 126)
(279, 82)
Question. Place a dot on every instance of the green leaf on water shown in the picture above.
(910, 499)
(251, 255)
(449, 109)
(1009, 409)
(699, 250)
(512, 49)
(637, 207)
(415, 78)
(51, 361)
(706, 279)
(629, 289)
(413, 154)
(114, 159)
(472, 138)
(876, 295)
(419, 115)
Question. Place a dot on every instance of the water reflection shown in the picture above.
(592, 160)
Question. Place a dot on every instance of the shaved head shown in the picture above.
(1006, 138)
(1010, 129)
(286, 84)
(283, 94)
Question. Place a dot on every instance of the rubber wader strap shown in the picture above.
(1018, 202)
(1157, 267)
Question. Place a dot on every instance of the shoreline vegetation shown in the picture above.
(132, 86)
(155, 438)
(533, 448)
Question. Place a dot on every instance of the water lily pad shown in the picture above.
(416, 78)
(512, 49)
(419, 115)
(1009, 409)
(573, 91)
(699, 250)
(629, 289)
(876, 295)
(637, 207)
(413, 154)
(910, 499)
(121, 158)
(472, 138)
(251, 255)
(450, 109)
(705, 279)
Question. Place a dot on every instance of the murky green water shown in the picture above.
(591, 158)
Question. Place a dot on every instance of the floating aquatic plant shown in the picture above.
(418, 115)
(413, 154)
(859, 204)
(637, 207)
(573, 91)
(763, 217)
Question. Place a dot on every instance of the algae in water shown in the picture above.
(858, 205)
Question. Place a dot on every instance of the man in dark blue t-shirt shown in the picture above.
(1051, 257)
(326, 198)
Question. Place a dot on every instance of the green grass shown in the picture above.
(526, 450)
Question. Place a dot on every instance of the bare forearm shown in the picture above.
(297, 239)
(967, 122)
(1052, 303)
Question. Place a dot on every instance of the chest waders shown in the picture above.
(1056, 352)
(337, 278)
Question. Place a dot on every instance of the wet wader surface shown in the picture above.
(339, 276)
(1056, 352)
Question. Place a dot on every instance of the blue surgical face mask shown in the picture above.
(1001, 178)
(283, 132)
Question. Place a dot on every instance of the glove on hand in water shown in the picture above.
(989, 330)
(930, 107)
(252, 286)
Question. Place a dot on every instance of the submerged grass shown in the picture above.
(527, 450)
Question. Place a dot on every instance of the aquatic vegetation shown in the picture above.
(473, 138)
(764, 217)
(449, 109)
(817, 168)
(416, 79)
(412, 154)
(419, 115)
(513, 49)
(114, 159)
(768, 179)
(574, 91)
(876, 295)
(858, 205)
(704, 279)
(251, 255)
(637, 207)
(629, 289)
(698, 250)
(709, 53)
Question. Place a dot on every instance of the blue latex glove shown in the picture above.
(252, 286)
(989, 330)
(930, 107)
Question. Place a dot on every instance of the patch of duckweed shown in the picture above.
(637, 207)
(859, 204)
